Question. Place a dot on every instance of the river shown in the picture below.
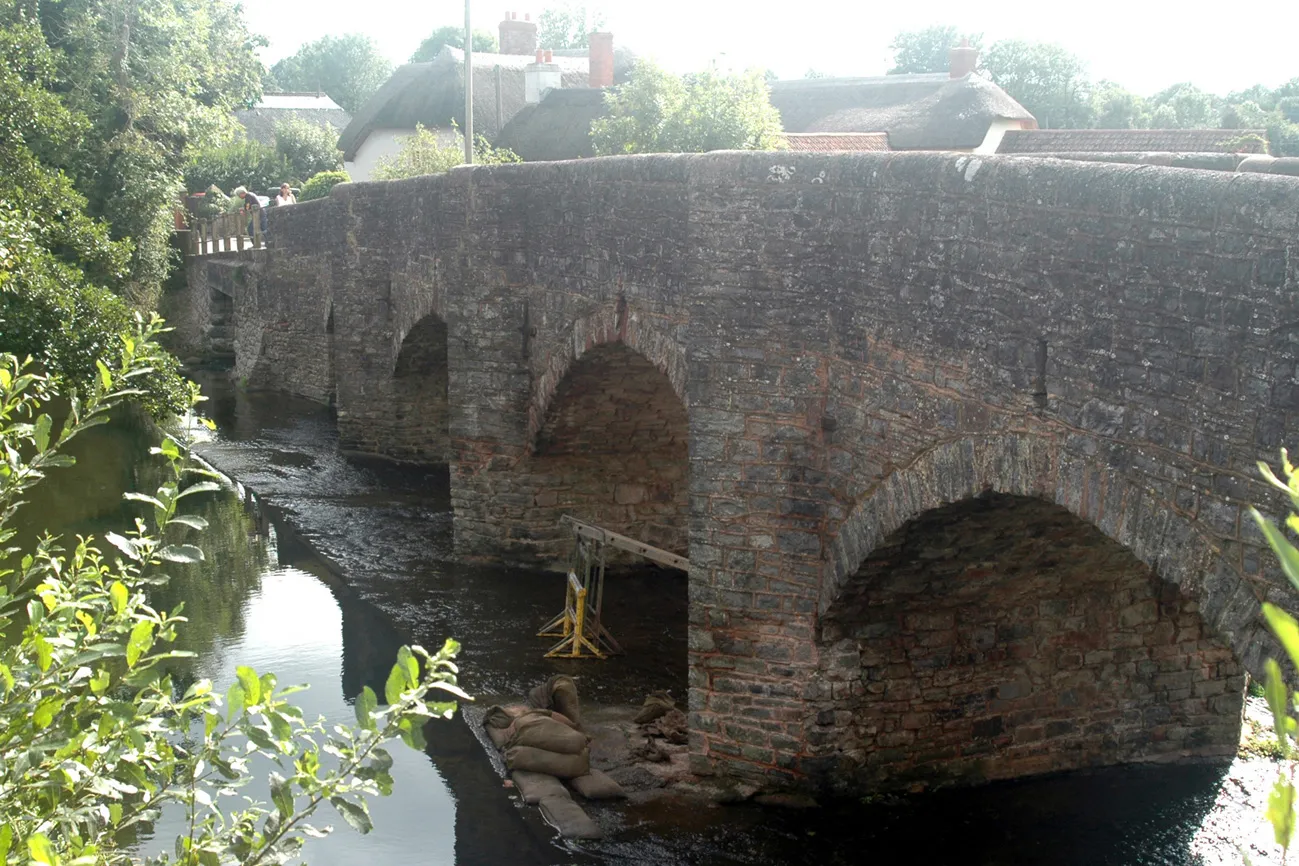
(319, 567)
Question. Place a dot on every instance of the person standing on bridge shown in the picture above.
(286, 196)
(252, 207)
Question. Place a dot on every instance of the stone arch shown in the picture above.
(1016, 609)
(611, 449)
(614, 323)
(418, 402)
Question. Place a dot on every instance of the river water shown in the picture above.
(319, 567)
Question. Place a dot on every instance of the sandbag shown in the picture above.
(503, 717)
(656, 704)
(499, 736)
(535, 787)
(550, 763)
(558, 693)
(541, 731)
(568, 818)
(596, 785)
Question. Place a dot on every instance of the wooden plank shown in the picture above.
(622, 542)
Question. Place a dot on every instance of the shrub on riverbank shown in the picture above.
(94, 739)
(320, 184)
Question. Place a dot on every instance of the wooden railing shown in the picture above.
(226, 233)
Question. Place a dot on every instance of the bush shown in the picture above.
(424, 153)
(320, 185)
(95, 737)
(243, 163)
(308, 148)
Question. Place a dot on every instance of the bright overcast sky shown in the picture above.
(1145, 45)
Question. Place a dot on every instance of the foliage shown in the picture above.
(567, 25)
(95, 740)
(926, 50)
(1113, 107)
(1281, 812)
(657, 112)
(243, 162)
(149, 80)
(425, 153)
(55, 261)
(349, 68)
(454, 36)
(319, 185)
(308, 148)
(1046, 79)
(1184, 106)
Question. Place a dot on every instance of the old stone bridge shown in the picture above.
(959, 449)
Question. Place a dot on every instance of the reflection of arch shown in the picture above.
(1038, 467)
(612, 324)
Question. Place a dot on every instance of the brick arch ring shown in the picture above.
(1177, 550)
(613, 323)
(416, 300)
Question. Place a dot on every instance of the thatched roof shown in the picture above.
(314, 108)
(433, 94)
(558, 127)
(823, 142)
(919, 112)
(1134, 141)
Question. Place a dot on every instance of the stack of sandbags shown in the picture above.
(559, 693)
(540, 742)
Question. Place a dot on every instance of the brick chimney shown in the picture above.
(964, 59)
(601, 59)
(518, 37)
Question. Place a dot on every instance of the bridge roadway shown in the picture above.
(959, 448)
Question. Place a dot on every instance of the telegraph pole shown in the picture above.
(469, 88)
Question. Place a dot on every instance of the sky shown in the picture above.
(1145, 45)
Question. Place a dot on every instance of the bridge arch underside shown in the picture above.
(612, 450)
(1002, 636)
(414, 425)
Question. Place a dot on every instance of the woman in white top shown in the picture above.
(286, 196)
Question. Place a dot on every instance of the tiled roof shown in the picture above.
(830, 141)
(1134, 141)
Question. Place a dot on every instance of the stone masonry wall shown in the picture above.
(1001, 637)
(857, 339)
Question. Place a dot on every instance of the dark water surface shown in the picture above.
(320, 567)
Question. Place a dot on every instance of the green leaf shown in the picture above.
(169, 449)
(100, 682)
(252, 686)
(140, 642)
(1280, 811)
(234, 702)
(1285, 628)
(105, 376)
(353, 814)
(123, 544)
(395, 686)
(40, 849)
(282, 795)
(142, 497)
(186, 553)
(44, 653)
(410, 665)
(193, 521)
(200, 487)
(366, 704)
(41, 432)
(6, 832)
(45, 712)
(119, 596)
(7, 677)
(1281, 546)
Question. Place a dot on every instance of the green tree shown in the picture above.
(657, 112)
(567, 25)
(426, 152)
(257, 166)
(926, 50)
(95, 737)
(1046, 79)
(454, 36)
(154, 80)
(349, 68)
(1115, 107)
(56, 261)
(318, 186)
(308, 148)
(1184, 106)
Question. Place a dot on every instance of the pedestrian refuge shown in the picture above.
(580, 626)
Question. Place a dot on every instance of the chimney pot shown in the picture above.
(541, 77)
(527, 16)
(550, 56)
(964, 59)
(541, 56)
(600, 59)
